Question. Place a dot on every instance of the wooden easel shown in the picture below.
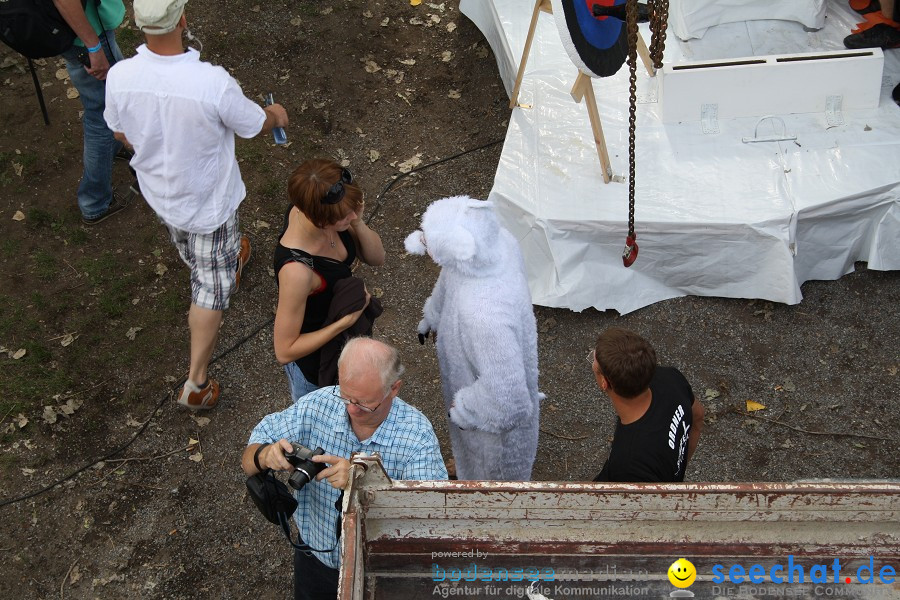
(581, 89)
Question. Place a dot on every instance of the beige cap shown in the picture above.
(157, 17)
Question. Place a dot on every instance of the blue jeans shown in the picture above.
(299, 384)
(100, 147)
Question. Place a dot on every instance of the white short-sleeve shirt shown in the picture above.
(181, 116)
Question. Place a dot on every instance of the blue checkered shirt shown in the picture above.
(405, 440)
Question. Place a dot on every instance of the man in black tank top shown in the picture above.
(659, 420)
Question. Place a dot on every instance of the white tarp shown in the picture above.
(691, 18)
(714, 216)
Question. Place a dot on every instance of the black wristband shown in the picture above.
(256, 457)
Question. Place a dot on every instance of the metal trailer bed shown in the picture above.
(478, 539)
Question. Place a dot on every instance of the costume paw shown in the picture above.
(414, 244)
(423, 328)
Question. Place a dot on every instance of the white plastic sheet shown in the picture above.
(691, 18)
(714, 216)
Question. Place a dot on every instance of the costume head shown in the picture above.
(158, 17)
(459, 233)
(324, 191)
(626, 360)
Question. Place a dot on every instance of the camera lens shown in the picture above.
(299, 478)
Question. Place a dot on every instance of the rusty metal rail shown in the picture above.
(399, 536)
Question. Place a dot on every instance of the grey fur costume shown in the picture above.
(481, 310)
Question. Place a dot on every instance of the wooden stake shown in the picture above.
(644, 53)
(583, 90)
(539, 5)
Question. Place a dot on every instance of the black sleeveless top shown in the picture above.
(317, 304)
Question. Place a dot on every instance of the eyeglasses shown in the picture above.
(422, 239)
(591, 356)
(357, 403)
(336, 192)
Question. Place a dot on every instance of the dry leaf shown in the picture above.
(10, 428)
(193, 442)
(446, 56)
(711, 393)
(453, 94)
(132, 331)
(49, 415)
(408, 165)
(62, 74)
(196, 457)
(132, 422)
(71, 93)
(385, 21)
(892, 370)
(296, 21)
(200, 421)
(435, 19)
(70, 406)
(754, 406)
(374, 155)
(261, 224)
(19, 353)
(367, 14)
(21, 420)
(372, 66)
(74, 575)
(161, 269)
(17, 168)
(451, 27)
(377, 292)
(326, 11)
(19, 216)
(416, 21)
(408, 61)
(27, 471)
(68, 339)
(415, 2)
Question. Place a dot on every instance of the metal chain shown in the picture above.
(659, 19)
(631, 30)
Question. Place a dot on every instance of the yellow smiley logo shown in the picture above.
(682, 573)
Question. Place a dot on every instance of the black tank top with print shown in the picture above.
(317, 304)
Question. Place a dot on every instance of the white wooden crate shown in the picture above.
(772, 85)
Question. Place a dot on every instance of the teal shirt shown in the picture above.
(111, 14)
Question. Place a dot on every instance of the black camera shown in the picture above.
(305, 470)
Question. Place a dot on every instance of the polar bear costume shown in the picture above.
(481, 311)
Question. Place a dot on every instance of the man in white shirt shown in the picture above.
(181, 116)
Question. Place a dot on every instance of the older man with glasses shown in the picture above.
(362, 414)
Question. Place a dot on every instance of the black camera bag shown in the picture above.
(277, 504)
(271, 497)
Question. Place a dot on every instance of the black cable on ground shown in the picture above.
(142, 428)
(397, 178)
(235, 346)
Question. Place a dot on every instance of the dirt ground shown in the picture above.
(100, 313)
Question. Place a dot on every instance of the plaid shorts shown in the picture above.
(212, 258)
